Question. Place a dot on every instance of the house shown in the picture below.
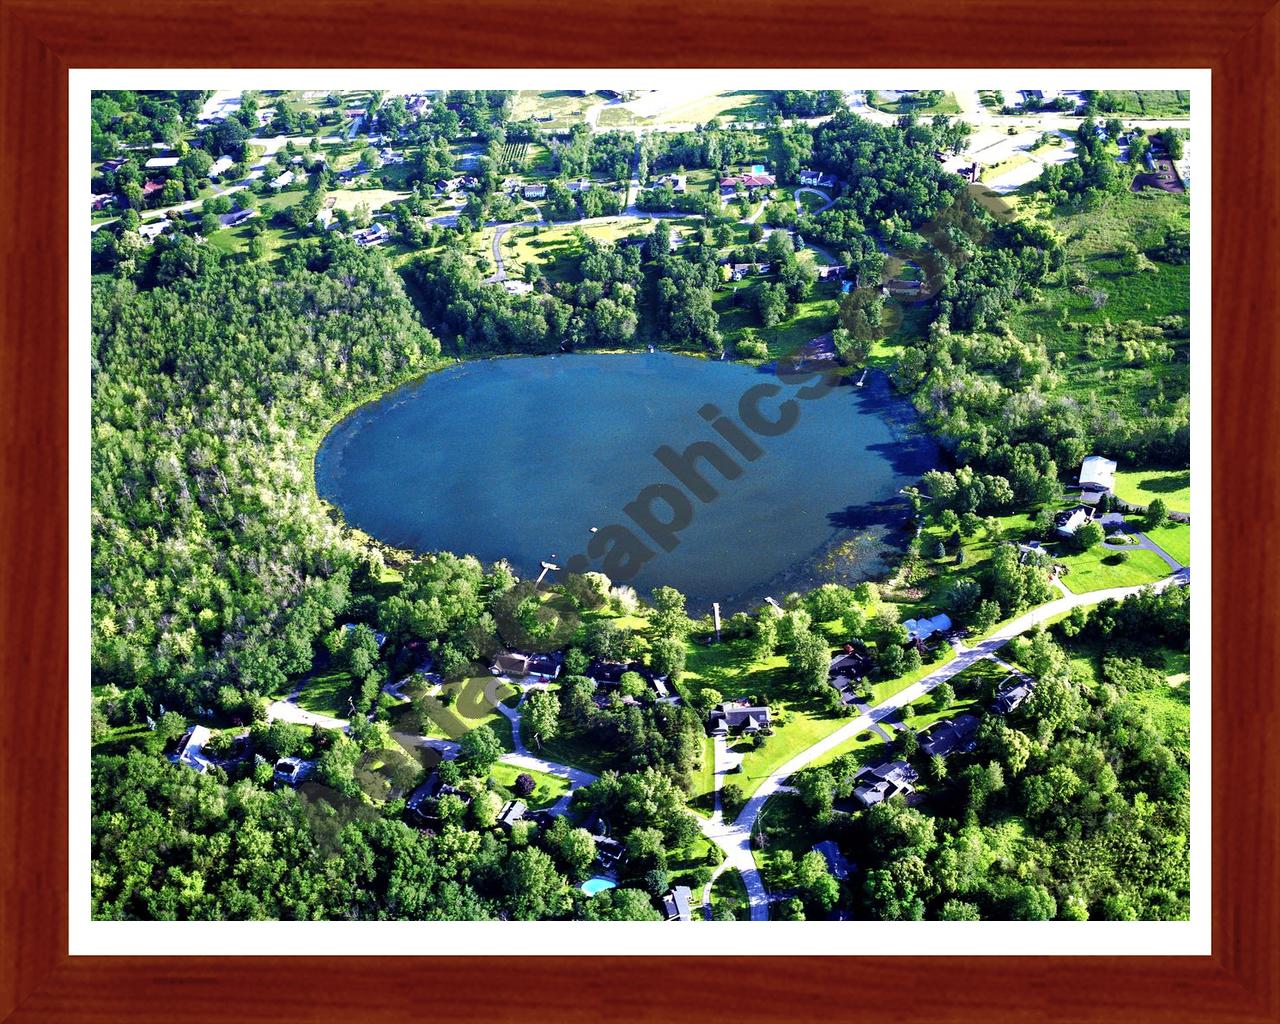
(739, 716)
(103, 201)
(1011, 697)
(374, 234)
(816, 179)
(880, 782)
(161, 162)
(514, 663)
(923, 629)
(283, 180)
(112, 165)
(836, 862)
(948, 737)
(516, 287)
(675, 904)
(150, 187)
(153, 229)
(1097, 477)
(538, 191)
(190, 750)
(230, 220)
(221, 166)
(578, 186)
(512, 812)
(1066, 523)
(292, 771)
(676, 182)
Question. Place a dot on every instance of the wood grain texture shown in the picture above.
(39, 41)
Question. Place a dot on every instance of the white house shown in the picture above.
(1071, 520)
(190, 750)
(221, 166)
(283, 180)
(1097, 477)
(922, 629)
(162, 161)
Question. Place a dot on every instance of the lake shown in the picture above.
(520, 458)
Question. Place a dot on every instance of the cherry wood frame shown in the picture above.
(41, 39)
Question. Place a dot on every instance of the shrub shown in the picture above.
(524, 784)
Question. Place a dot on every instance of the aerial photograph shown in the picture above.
(640, 505)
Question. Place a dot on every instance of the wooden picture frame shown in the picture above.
(41, 39)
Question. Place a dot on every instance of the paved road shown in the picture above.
(1116, 521)
(735, 838)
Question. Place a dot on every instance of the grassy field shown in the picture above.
(326, 693)
(907, 103)
(1100, 568)
(1175, 538)
(547, 788)
(702, 797)
(1152, 102)
(564, 107)
(374, 198)
(1142, 486)
(741, 105)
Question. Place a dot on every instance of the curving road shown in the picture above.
(734, 838)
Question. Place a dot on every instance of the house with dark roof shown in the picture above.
(676, 904)
(1067, 523)
(1009, 698)
(739, 717)
(880, 782)
(956, 735)
(836, 862)
(516, 663)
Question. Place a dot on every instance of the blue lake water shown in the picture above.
(520, 458)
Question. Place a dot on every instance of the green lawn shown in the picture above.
(802, 729)
(909, 103)
(1175, 538)
(546, 791)
(787, 825)
(326, 693)
(1142, 486)
(1100, 569)
(702, 796)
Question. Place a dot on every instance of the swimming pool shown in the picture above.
(594, 885)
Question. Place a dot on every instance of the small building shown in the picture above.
(536, 191)
(1067, 523)
(515, 663)
(816, 179)
(150, 187)
(512, 812)
(292, 771)
(230, 220)
(517, 287)
(924, 629)
(880, 782)
(153, 229)
(101, 202)
(956, 735)
(676, 904)
(1097, 477)
(379, 638)
(112, 165)
(221, 166)
(740, 717)
(836, 862)
(1009, 698)
(283, 180)
(161, 162)
(190, 750)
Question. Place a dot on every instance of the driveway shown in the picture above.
(735, 838)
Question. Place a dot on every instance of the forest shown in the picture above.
(219, 579)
